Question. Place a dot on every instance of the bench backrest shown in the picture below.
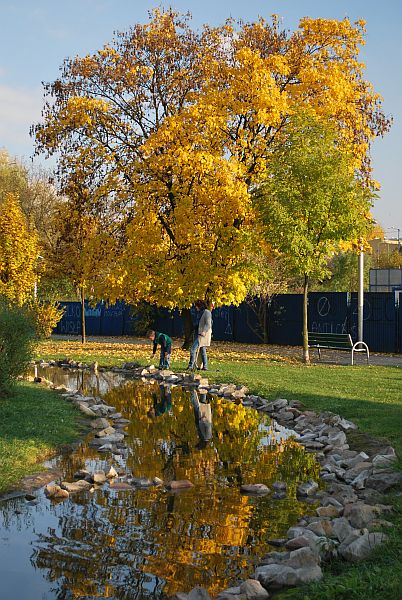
(333, 340)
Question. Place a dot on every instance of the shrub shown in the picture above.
(45, 315)
(17, 336)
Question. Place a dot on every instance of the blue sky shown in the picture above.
(37, 35)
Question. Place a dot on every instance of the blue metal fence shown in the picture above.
(285, 320)
(333, 312)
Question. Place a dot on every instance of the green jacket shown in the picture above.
(164, 340)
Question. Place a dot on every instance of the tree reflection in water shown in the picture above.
(149, 542)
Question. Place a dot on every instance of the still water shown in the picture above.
(150, 543)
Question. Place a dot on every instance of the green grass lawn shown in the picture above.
(34, 424)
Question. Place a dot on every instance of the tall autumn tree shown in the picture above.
(176, 128)
(80, 244)
(312, 202)
(19, 250)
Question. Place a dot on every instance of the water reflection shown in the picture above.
(147, 543)
(203, 417)
(163, 403)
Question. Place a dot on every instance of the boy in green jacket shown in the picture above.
(166, 347)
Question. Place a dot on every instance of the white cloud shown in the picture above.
(19, 109)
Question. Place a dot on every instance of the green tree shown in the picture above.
(312, 202)
(344, 274)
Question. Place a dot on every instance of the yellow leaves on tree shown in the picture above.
(174, 128)
(19, 251)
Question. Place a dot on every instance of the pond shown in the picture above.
(151, 542)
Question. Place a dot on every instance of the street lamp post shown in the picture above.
(360, 299)
(35, 290)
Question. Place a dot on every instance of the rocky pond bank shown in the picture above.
(351, 518)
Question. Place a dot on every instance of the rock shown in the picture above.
(279, 486)
(276, 576)
(341, 528)
(351, 462)
(285, 415)
(56, 492)
(180, 484)
(330, 501)
(384, 460)
(105, 448)
(359, 515)
(379, 524)
(337, 439)
(304, 557)
(294, 532)
(279, 403)
(307, 489)
(120, 485)
(82, 474)
(351, 474)
(346, 425)
(317, 528)
(238, 395)
(342, 493)
(309, 539)
(277, 542)
(105, 432)
(86, 410)
(99, 477)
(384, 481)
(328, 511)
(253, 590)
(229, 593)
(141, 482)
(370, 496)
(180, 596)
(107, 439)
(360, 481)
(111, 473)
(117, 415)
(254, 489)
(360, 547)
(77, 486)
(198, 593)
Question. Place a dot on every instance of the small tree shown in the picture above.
(312, 202)
(80, 246)
(19, 250)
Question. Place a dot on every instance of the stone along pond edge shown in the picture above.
(345, 524)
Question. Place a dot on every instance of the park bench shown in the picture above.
(336, 341)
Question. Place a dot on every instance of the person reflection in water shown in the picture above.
(203, 417)
(161, 404)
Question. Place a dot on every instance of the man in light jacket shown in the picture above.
(203, 338)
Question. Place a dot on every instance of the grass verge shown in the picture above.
(34, 424)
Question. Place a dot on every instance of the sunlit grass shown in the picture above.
(34, 423)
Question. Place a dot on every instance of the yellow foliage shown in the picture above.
(19, 249)
(187, 130)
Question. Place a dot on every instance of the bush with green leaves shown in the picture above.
(17, 338)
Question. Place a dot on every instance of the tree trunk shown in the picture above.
(188, 328)
(83, 333)
(306, 356)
